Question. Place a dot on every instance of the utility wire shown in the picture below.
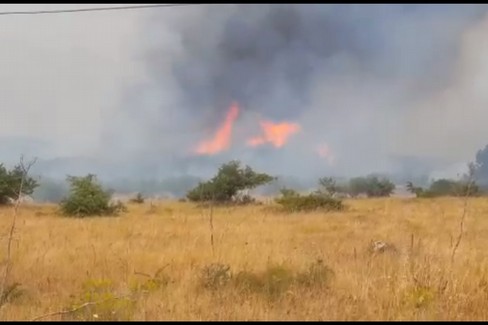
(40, 12)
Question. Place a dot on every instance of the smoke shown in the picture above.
(60, 74)
(369, 83)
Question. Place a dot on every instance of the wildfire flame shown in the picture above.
(221, 140)
(275, 133)
(325, 152)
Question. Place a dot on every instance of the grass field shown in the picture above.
(157, 263)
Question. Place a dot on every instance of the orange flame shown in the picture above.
(274, 133)
(221, 139)
(325, 152)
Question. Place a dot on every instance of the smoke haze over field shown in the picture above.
(364, 83)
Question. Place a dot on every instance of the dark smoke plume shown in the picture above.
(354, 77)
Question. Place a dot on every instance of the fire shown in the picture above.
(221, 140)
(325, 152)
(274, 133)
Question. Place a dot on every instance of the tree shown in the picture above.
(329, 185)
(87, 198)
(10, 183)
(357, 185)
(229, 181)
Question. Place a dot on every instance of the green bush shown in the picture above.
(293, 202)
(10, 181)
(226, 185)
(87, 198)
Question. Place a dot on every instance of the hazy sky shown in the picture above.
(62, 73)
(370, 81)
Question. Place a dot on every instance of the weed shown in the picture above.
(420, 297)
(11, 292)
(272, 283)
(215, 276)
(318, 274)
(155, 283)
(101, 303)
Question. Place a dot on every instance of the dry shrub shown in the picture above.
(291, 201)
(273, 282)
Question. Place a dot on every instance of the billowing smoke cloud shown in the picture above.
(369, 82)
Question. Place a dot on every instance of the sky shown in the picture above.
(63, 74)
(369, 83)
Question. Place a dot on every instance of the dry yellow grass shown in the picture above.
(54, 257)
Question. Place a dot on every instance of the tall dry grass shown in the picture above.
(62, 263)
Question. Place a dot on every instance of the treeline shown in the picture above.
(446, 187)
(83, 196)
(374, 186)
(53, 191)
